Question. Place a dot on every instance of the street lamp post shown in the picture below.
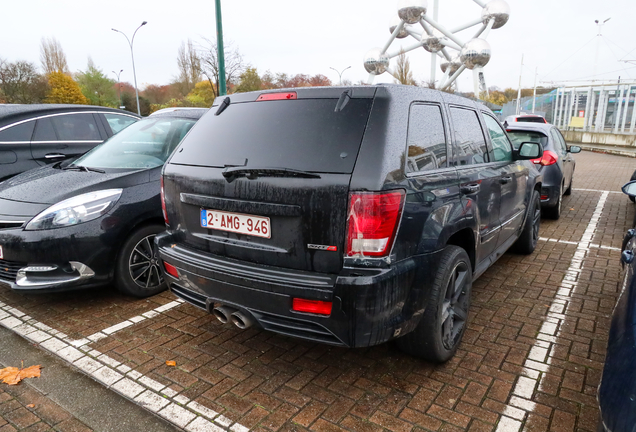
(118, 85)
(340, 73)
(220, 49)
(130, 43)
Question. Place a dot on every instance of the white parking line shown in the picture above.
(142, 390)
(588, 247)
(538, 361)
(598, 190)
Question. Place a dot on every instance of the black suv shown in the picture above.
(36, 135)
(348, 216)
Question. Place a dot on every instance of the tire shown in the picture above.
(527, 241)
(138, 271)
(442, 326)
(555, 212)
(568, 191)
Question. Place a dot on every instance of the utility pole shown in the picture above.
(132, 55)
(534, 93)
(518, 111)
(219, 48)
(119, 86)
(599, 34)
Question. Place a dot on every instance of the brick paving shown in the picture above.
(25, 409)
(268, 382)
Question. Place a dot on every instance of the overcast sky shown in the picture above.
(295, 36)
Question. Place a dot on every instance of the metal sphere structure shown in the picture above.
(498, 10)
(395, 21)
(473, 53)
(411, 11)
(476, 53)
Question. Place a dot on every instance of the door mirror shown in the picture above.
(574, 149)
(630, 189)
(529, 150)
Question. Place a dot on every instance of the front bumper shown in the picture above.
(370, 305)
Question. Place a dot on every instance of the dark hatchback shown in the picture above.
(348, 216)
(36, 135)
(92, 220)
(617, 391)
(556, 165)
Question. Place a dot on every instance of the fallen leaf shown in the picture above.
(30, 406)
(571, 209)
(13, 376)
(171, 362)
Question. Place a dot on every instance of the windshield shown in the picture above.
(144, 144)
(518, 137)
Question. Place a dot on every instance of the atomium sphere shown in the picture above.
(411, 11)
(396, 22)
(376, 63)
(475, 53)
(497, 9)
(454, 65)
(431, 43)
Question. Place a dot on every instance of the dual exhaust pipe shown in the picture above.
(227, 314)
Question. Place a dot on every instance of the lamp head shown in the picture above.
(144, 23)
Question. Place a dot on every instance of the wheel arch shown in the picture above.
(465, 239)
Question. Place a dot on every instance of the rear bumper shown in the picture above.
(370, 306)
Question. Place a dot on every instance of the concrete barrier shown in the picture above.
(602, 138)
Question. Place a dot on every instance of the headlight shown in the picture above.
(76, 210)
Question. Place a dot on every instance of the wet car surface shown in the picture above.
(531, 358)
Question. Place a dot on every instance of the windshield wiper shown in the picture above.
(83, 168)
(253, 173)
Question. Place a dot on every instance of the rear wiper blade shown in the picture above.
(83, 168)
(252, 173)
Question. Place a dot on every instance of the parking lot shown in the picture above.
(530, 360)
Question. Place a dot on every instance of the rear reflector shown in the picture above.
(544, 197)
(277, 96)
(312, 306)
(372, 222)
(171, 270)
(163, 204)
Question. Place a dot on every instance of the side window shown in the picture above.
(564, 146)
(44, 130)
(76, 127)
(426, 139)
(558, 143)
(469, 137)
(502, 149)
(18, 133)
(118, 122)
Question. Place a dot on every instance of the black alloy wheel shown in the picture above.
(555, 211)
(455, 305)
(143, 264)
(527, 241)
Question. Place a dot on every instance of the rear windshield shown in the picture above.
(518, 137)
(303, 134)
(531, 119)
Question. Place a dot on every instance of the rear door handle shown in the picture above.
(470, 188)
(506, 179)
(54, 156)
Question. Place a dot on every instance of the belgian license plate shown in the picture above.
(236, 222)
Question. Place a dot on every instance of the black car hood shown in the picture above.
(48, 185)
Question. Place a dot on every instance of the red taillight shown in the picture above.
(163, 205)
(312, 306)
(277, 96)
(171, 270)
(372, 222)
(548, 158)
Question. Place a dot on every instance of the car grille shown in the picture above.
(10, 224)
(9, 269)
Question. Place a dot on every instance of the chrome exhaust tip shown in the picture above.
(242, 320)
(223, 313)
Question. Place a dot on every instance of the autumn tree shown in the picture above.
(63, 89)
(129, 102)
(97, 87)
(403, 73)
(189, 64)
(157, 94)
(249, 81)
(234, 64)
(20, 83)
(52, 56)
(201, 96)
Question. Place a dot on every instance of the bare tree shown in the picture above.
(189, 64)
(403, 72)
(52, 56)
(234, 64)
(20, 83)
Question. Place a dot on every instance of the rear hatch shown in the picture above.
(266, 180)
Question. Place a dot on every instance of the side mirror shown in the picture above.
(630, 189)
(529, 150)
(574, 149)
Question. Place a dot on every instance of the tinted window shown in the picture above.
(501, 148)
(564, 146)
(303, 134)
(426, 139)
(519, 136)
(44, 130)
(145, 144)
(530, 120)
(76, 127)
(21, 132)
(469, 138)
(556, 141)
(118, 122)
